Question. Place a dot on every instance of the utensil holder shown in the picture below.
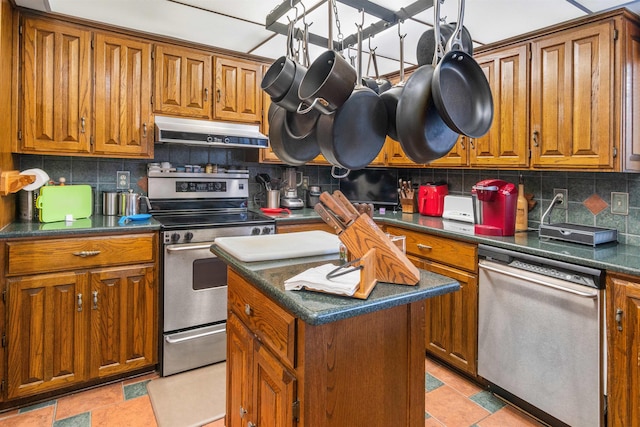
(409, 205)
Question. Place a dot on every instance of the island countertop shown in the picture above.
(316, 308)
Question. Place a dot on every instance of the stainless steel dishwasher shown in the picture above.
(540, 335)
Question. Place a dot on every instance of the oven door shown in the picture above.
(195, 286)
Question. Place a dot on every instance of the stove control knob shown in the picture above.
(175, 237)
(188, 236)
(255, 231)
(266, 230)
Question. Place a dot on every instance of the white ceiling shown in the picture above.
(239, 25)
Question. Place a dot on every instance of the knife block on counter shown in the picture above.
(391, 264)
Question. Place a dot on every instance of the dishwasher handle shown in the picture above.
(487, 266)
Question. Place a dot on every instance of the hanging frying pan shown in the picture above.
(392, 96)
(460, 88)
(294, 151)
(422, 133)
(354, 135)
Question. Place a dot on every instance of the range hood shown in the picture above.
(204, 132)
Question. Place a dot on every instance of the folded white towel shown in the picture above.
(315, 279)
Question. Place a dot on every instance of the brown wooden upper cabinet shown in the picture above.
(56, 88)
(123, 123)
(572, 101)
(57, 112)
(183, 82)
(238, 93)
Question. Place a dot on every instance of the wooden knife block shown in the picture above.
(391, 265)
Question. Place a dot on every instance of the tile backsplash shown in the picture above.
(590, 194)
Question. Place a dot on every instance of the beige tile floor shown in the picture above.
(450, 400)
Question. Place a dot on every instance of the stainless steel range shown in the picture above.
(194, 209)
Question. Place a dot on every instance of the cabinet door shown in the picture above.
(623, 330)
(56, 88)
(452, 320)
(123, 320)
(123, 97)
(458, 156)
(47, 330)
(238, 93)
(506, 143)
(274, 390)
(182, 82)
(572, 106)
(239, 372)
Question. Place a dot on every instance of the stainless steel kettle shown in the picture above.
(129, 203)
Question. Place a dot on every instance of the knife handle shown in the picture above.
(336, 207)
(340, 197)
(328, 218)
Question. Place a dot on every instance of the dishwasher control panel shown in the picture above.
(565, 275)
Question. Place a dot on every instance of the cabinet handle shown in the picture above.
(144, 130)
(79, 302)
(471, 144)
(250, 424)
(82, 124)
(247, 309)
(206, 94)
(243, 412)
(219, 94)
(425, 247)
(536, 137)
(84, 254)
(462, 142)
(95, 300)
(619, 318)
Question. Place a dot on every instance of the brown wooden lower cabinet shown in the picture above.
(359, 371)
(623, 337)
(451, 332)
(65, 328)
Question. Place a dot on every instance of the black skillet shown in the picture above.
(460, 88)
(423, 134)
(426, 44)
(294, 151)
(352, 137)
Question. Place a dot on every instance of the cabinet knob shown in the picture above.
(243, 412)
(250, 424)
(247, 309)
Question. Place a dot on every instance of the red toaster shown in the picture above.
(431, 198)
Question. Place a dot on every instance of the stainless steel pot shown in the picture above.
(109, 203)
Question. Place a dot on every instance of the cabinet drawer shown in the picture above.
(441, 249)
(44, 256)
(269, 322)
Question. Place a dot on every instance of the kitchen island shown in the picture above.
(324, 360)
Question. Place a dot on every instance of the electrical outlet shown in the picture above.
(562, 201)
(305, 182)
(123, 180)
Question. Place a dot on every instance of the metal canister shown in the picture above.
(109, 203)
(27, 210)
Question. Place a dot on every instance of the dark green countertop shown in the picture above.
(611, 256)
(317, 308)
(94, 224)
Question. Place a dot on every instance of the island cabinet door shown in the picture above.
(239, 373)
(46, 332)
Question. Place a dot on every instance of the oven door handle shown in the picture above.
(192, 337)
(490, 267)
(188, 248)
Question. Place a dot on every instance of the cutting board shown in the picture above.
(270, 247)
(57, 201)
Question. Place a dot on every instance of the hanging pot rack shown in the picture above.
(388, 18)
